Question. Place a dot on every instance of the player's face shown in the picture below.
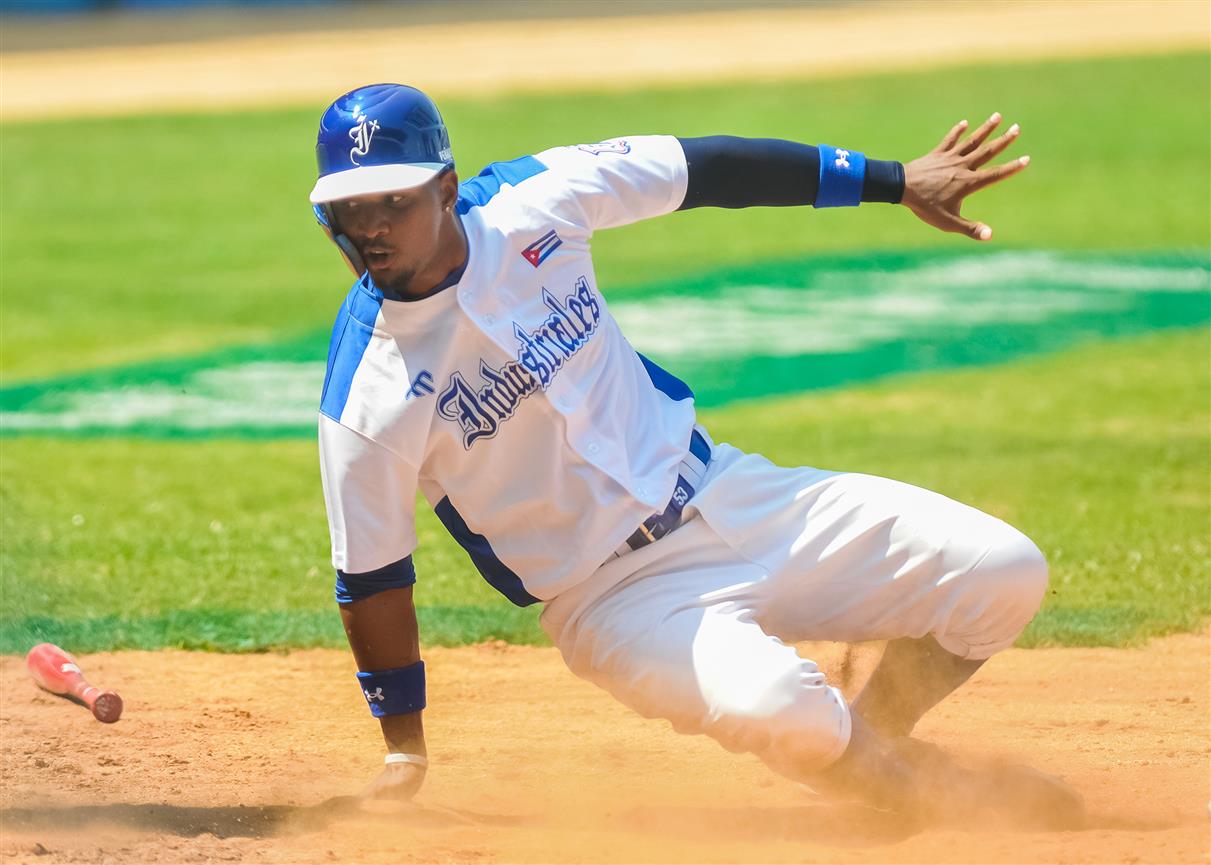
(396, 233)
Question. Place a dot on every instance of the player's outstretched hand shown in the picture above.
(936, 184)
(398, 782)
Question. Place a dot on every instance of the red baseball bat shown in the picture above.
(56, 671)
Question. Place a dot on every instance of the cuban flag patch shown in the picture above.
(536, 253)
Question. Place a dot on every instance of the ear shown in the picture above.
(448, 189)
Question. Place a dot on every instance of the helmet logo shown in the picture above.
(361, 134)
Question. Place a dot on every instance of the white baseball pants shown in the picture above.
(694, 627)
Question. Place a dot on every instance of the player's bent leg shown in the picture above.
(713, 671)
(1004, 590)
(924, 782)
(911, 678)
(677, 641)
(856, 557)
(760, 697)
(867, 558)
(989, 604)
(872, 769)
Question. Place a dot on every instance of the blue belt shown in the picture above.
(689, 476)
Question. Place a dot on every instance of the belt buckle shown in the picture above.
(659, 525)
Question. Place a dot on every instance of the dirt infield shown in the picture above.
(235, 758)
(482, 58)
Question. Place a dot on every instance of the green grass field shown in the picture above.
(223, 543)
(155, 236)
(166, 235)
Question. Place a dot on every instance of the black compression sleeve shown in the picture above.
(726, 171)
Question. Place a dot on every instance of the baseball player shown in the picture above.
(476, 359)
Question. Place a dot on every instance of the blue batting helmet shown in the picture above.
(377, 139)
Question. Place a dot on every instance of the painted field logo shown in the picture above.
(749, 331)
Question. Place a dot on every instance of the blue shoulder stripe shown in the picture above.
(350, 336)
(482, 188)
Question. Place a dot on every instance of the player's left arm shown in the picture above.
(725, 171)
(370, 493)
(383, 635)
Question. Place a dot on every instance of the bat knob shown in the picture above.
(107, 708)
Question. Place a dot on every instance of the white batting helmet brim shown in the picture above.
(371, 179)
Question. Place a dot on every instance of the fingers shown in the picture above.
(998, 173)
(994, 148)
(978, 137)
(956, 223)
(949, 139)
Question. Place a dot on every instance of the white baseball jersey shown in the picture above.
(511, 399)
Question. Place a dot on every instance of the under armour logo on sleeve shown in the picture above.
(842, 158)
(377, 695)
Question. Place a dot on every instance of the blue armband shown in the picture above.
(842, 174)
(394, 692)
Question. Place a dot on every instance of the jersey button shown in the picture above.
(489, 319)
(594, 447)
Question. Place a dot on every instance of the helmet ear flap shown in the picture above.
(327, 221)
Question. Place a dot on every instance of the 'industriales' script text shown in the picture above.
(541, 354)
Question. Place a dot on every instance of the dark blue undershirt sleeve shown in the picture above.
(355, 587)
(726, 171)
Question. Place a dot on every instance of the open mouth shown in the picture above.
(377, 258)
